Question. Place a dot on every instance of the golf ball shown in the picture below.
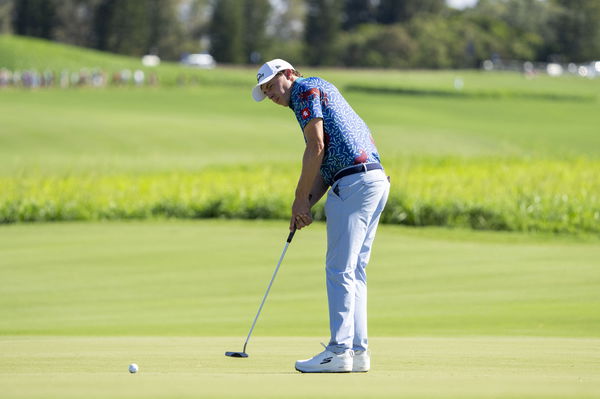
(133, 368)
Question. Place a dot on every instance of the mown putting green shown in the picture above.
(453, 314)
(207, 278)
(474, 367)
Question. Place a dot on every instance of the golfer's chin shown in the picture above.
(281, 101)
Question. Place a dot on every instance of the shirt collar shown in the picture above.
(291, 105)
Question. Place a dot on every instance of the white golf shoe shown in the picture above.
(361, 361)
(327, 362)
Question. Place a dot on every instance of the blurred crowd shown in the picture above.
(590, 70)
(96, 77)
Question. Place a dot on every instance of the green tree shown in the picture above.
(122, 26)
(195, 19)
(392, 11)
(286, 31)
(358, 12)
(35, 18)
(75, 22)
(165, 36)
(436, 42)
(6, 11)
(288, 20)
(226, 31)
(129, 28)
(256, 16)
(523, 28)
(578, 30)
(138, 27)
(102, 15)
(323, 25)
(378, 46)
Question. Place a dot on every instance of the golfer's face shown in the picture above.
(278, 90)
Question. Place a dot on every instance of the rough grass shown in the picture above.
(546, 196)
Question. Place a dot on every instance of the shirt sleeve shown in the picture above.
(308, 105)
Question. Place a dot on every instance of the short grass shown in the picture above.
(140, 130)
(216, 122)
(453, 314)
(206, 278)
(476, 367)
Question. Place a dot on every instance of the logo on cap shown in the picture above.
(259, 76)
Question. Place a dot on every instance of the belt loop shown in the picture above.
(365, 167)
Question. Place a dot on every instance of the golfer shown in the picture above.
(340, 154)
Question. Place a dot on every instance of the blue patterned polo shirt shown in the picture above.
(348, 140)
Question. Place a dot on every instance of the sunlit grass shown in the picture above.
(513, 195)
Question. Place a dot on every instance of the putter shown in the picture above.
(243, 352)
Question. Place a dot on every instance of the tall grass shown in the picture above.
(512, 195)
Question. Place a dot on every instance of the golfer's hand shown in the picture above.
(301, 216)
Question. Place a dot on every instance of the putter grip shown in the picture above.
(289, 239)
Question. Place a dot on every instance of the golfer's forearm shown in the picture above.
(312, 158)
(311, 163)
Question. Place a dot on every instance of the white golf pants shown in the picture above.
(354, 205)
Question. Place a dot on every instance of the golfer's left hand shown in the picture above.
(301, 216)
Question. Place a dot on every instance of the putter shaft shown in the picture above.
(287, 244)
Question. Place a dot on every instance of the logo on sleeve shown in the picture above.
(309, 93)
(306, 113)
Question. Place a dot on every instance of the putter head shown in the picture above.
(236, 354)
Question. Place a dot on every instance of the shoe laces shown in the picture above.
(327, 350)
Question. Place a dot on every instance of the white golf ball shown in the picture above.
(133, 368)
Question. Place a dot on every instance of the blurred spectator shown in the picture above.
(86, 77)
(138, 77)
(48, 78)
(64, 79)
(98, 78)
(153, 79)
(17, 78)
(125, 76)
(74, 80)
(5, 77)
(116, 78)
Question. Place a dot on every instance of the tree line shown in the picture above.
(356, 33)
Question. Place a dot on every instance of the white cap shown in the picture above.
(266, 73)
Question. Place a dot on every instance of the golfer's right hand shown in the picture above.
(301, 216)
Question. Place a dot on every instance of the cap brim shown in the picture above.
(257, 93)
